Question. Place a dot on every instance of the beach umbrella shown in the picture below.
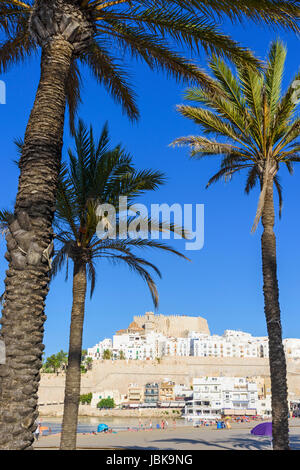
(263, 429)
(102, 427)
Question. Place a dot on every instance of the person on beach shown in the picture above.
(150, 424)
(162, 424)
(166, 424)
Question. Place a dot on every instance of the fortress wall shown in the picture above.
(108, 375)
(175, 325)
(86, 410)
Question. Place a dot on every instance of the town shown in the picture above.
(149, 337)
(155, 337)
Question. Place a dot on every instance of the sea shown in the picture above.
(90, 424)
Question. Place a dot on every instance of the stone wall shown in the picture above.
(87, 410)
(174, 325)
(108, 375)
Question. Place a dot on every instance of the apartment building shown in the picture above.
(217, 396)
(148, 343)
(135, 394)
(151, 393)
(97, 351)
(167, 391)
(239, 396)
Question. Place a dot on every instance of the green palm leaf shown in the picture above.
(147, 30)
(98, 173)
(255, 126)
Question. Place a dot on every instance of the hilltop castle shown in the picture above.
(171, 325)
(153, 336)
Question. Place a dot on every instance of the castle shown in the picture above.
(177, 326)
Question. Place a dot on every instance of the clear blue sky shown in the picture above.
(223, 283)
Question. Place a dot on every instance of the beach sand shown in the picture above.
(182, 438)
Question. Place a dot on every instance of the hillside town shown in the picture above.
(156, 337)
(148, 338)
(206, 399)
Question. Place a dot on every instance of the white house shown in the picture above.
(292, 348)
(216, 396)
(96, 352)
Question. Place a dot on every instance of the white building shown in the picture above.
(114, 394)
(209, 389)
(97, 351)
(239, 396)
(139, 344)
(176, 346)
(207, 400)
(216, 396)
(264, 407)
(230, 344)
(292, 348)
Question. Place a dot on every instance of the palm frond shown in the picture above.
(91, 274)
(16, 48)
(274, 74)
(252, 179)
(279, 192)
(282, 13)
(99, 174)
(108, 72)
(226, 173)
(186, 28)
(202, 147)
(73, 87)
(210, 122)
(139, 266)
(227, 81)
(257, 126)
(6, 217)
(252, 88)
(61, 258)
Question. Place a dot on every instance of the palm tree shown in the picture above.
(107, 354)
(96, 175)
(70, 33)
(259, 129)
(121, 355)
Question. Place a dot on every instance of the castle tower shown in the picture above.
(149, 322)
(172, 325)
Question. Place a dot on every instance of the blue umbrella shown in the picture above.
(263, 429)
(102, 427)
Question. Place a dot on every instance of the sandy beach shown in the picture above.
(181, 438)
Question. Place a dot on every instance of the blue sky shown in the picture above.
(223, 282)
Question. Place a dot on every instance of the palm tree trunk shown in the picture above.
(73, 374)
(272, 313)
(29, 248)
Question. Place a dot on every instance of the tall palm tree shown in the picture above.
(70, 33)
(97, 175)
(258, 130)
